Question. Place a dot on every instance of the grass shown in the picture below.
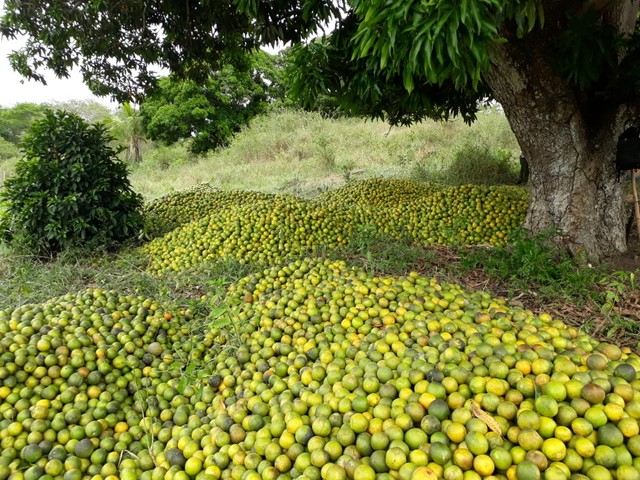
(534, 261)
(305, 154)
(27, 279)
(302, 153)
(381, 255)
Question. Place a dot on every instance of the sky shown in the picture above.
(14, 89)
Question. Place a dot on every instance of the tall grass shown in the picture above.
(305, 154)
(302, 153)
(9, 155)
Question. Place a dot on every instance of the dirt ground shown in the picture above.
(629, 261)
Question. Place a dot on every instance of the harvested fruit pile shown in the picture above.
(255, 229)
(175, 209)
(269, 229)
(433, 214)
(319, 371)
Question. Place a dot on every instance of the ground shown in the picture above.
(630, 260)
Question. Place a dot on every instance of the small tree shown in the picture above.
(69, 190)
(127, 127)
(211, 112)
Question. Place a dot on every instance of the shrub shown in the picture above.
(69, 189)
(479, 164)
(484, 165)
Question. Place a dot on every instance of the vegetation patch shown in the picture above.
(70, 189)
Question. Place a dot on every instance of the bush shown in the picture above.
(69, 189)
(479, 164)
(482, 165)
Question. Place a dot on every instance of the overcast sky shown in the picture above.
(14, 89)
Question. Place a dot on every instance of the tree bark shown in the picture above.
(570, 146)
(133, 152)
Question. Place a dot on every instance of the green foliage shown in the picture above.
(479, 164)
(405, 61)
(380, 254)
(535, 261)
(8, 150)
(585, 49)
(323, 72)
(210, 113)
(447, 43)
(117, 46)
(89, 110)
(16, 120)
(70, 189)
(292, 151)
(127, 127)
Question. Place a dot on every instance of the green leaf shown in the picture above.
(384, 55)
(407, 80)
(184, 382)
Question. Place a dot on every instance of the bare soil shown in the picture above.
(629, 261)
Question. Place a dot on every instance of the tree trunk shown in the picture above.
(134, 150)
(571, 149)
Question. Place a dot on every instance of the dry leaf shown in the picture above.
(486, 418)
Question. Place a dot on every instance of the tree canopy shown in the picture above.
(404, 60)
(210, 112)
(119, 46)
(15, 121)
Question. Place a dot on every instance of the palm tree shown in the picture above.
(127, 127)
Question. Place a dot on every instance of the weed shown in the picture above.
(615, 289)
(326, 152)
(480, 164)
(379, 254)
(347, 169)
(421, 172)
(534, 261)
